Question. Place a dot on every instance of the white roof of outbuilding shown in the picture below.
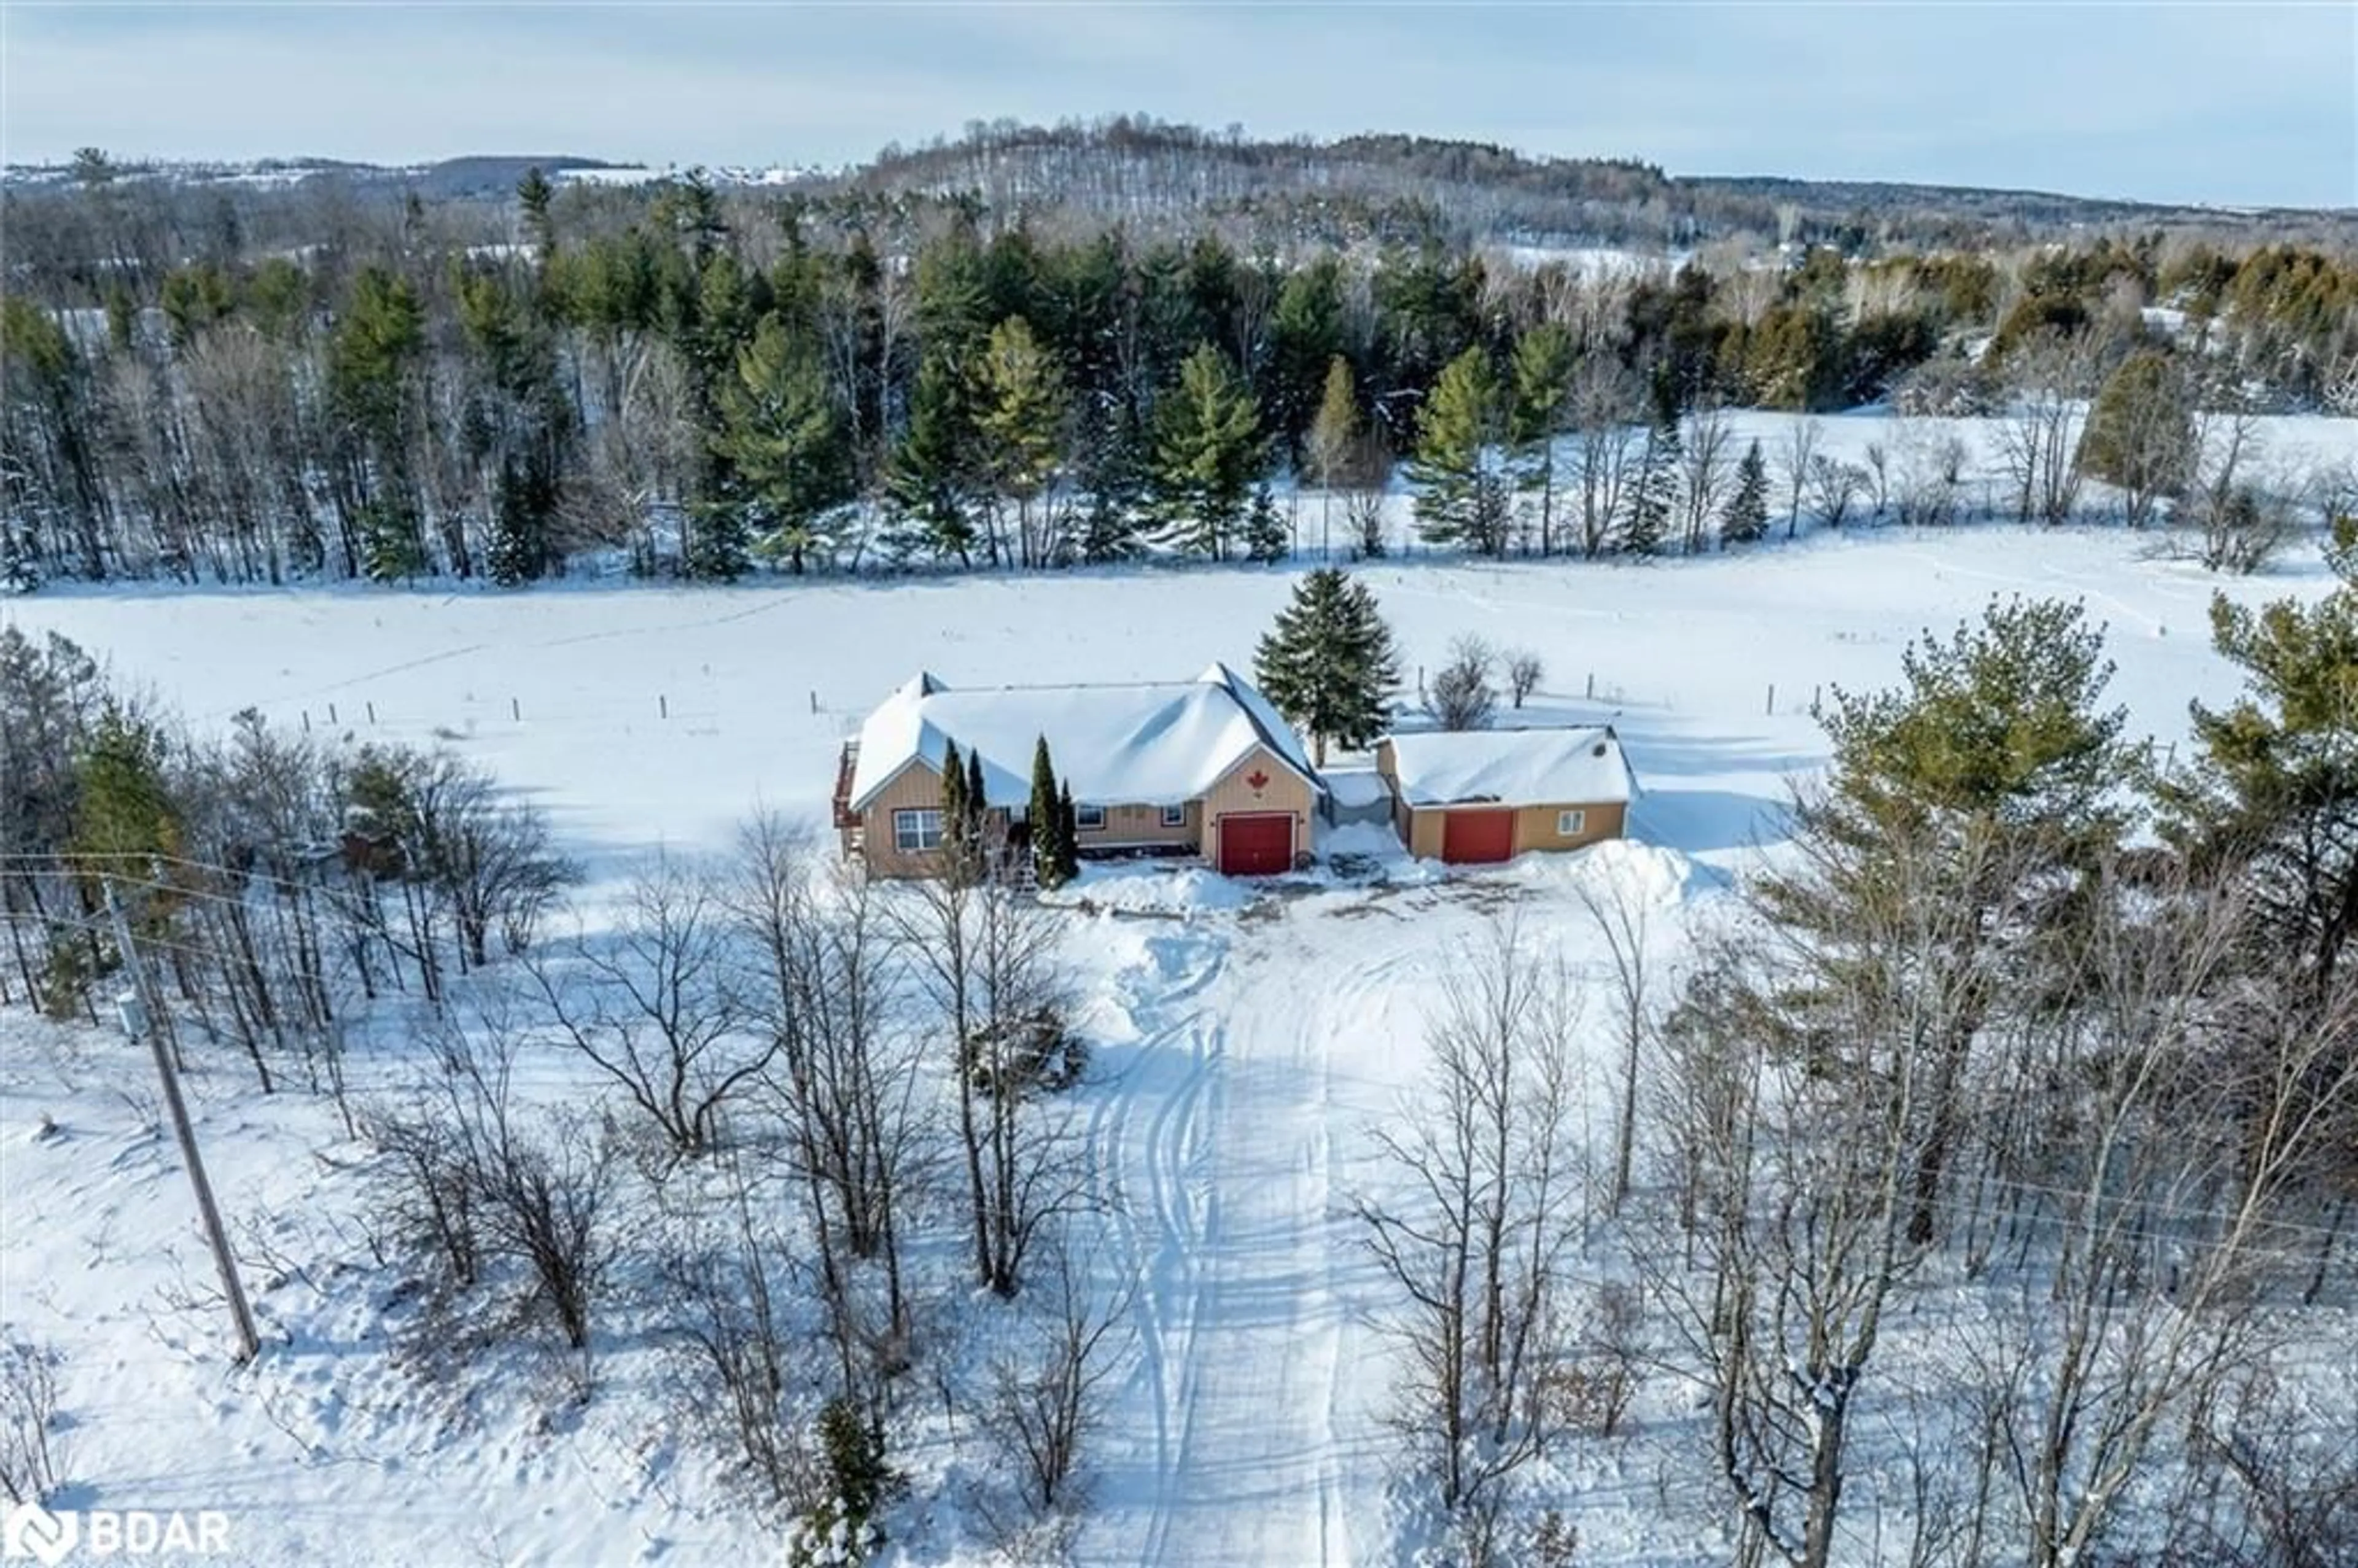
(1158, 743)
(1512, 767)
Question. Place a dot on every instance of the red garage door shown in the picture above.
(1259, 844)
(1474, 838)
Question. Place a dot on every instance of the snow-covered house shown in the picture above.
(1490, 794)
(1203, 767)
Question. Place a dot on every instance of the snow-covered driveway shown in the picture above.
(1253, 1423)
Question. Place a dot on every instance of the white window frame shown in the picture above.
(1571, 824)
(917, 830)
(1082, 814)
(1174, 816)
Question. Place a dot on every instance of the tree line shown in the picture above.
(693, 381)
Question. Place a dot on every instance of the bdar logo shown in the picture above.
(34, 1531)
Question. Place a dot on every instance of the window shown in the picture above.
(1174, 816)
(1570, 824)
(917, 830)
(1089, 819)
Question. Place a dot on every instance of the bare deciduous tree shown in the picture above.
(986, 957)
(1524, 672)
(1704, 450)
(1834, 487)
(846, 1079)
(2038, 438)
(1047, 1395)
(1474, 1246)
(1461, 696)
(30, 1460)
(1800, 455)
(655, 1005)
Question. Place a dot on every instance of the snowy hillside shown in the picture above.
(1246, 1043)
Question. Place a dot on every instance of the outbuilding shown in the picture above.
(1482, 796)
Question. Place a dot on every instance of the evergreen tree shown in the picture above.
(1020, 404)
(2140, 433)
(392, 548)
(930, 474)
(785, 437)
(1747, 517)
(1653, 494)
(2274, 789)
(1047, 820)
(1460, 491)
(1208, 450)
(957, 846)
(123, 807)
(1068, 834)
(1265, 530)
(720, 546)
(977, 803)
(1328, 663)
(1994, 776)
(1305, 338)
(1545, 360)
(520, 548)
(1332, 447)
(533, 194)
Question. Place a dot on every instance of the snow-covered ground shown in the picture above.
(1245, 1039)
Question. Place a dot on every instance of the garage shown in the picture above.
(1477, 838)
(1256, 844)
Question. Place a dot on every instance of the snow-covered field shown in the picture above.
(1245, 1039)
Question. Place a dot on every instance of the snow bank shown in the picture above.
(1139, 887)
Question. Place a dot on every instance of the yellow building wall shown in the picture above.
(1534, 827)
(1283, 789)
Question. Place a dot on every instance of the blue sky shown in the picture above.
(2240, 103)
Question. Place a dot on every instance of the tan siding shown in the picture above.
(917, 785)
(1425, 824)
(1534, 827)
(1283, 790)
(1141, 825)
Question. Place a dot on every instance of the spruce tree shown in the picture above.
(1265, 533)
(1653, 495)
(1747, 517)
(533, 194)
(1328, 663)
(1545, 360)
(930, 474)
(1019, 404)
(520, 506)
(1461, 492)
(1207, 449)
(1068, 834)
(1047, 820)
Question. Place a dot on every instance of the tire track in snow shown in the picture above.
(1161, 1264)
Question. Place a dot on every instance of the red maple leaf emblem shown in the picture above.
(1257, 779)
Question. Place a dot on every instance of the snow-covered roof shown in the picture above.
(1518, 767)
(1155, 743)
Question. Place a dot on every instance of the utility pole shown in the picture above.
(137, 1021)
